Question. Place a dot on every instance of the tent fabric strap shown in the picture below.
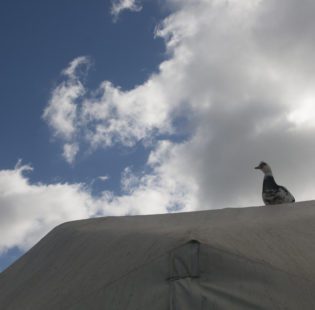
(184, 273)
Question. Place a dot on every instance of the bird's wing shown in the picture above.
(271, 197)
(285, 194)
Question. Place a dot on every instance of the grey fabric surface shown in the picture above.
(248, 258)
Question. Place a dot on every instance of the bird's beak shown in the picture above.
(257, 167)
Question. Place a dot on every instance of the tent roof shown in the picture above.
(248, 257)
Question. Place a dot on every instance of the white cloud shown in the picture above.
(161, 191)
(241, 86)
(108, 115)
(104, 178)
(28, 211)
(61, 112)
(70, 151)
(82, 62)
(119, 6)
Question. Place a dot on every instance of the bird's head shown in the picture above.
(264, 167)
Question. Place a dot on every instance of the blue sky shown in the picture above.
(129, 107)
(39, 40)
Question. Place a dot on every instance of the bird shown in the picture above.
(272, 193)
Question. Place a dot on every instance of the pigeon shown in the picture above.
(272, 193)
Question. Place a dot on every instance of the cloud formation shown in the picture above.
(61, 112)
(119, 6)
(29, 211)
(240, 88)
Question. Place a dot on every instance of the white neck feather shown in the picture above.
(268, 174)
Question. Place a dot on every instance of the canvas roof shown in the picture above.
(237, 258)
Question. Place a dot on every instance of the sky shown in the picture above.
(125, 107)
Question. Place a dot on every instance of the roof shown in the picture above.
(237, 258)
